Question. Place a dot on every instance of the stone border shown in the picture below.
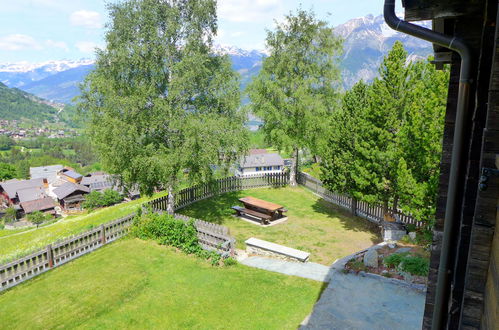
(339, 265)
(254, 221)
(269, 249)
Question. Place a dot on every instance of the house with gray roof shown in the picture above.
(45, 205)
(71, 196)
(265, 163)
(10, 188)
(31, 194)
(45, 172)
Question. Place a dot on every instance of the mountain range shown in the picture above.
(366, 41)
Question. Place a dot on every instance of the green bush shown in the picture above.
(407, 263)
(38, 217)
(230, 261)
(98, 199)
(167, 230)
(393, 260)
(416, 265)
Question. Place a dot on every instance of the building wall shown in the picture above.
(254, 171)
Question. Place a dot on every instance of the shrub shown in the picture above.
(167, 230)
(98, 199)
(38, 217)
(407, 263)
(230, 261)
(393, 260)
(415, 265)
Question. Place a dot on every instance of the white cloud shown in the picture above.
(57, 44)
(86, 46)
(249, 10)
(18, 42)
(86, 18)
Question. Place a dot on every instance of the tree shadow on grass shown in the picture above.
(348, 221)
(214, 209)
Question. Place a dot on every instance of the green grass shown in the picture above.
(13, 246)
(313, 225)
(139, 284)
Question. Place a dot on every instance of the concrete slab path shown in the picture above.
(308, 270)
(362, 302)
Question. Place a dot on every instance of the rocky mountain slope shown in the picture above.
(367, 40)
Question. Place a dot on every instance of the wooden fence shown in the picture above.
(373, 213)
(199, 192)
(211, 237)
(59, 253)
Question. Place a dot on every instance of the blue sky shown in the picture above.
(42, 30)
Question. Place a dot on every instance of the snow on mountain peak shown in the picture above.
(48, 66)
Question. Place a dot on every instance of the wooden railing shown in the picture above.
(373, 213)
(199, 192)
(59, 253)
(211, 237)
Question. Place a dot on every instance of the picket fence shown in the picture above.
(372, 213)
(59, 253)
(199, 192)
(211, 237)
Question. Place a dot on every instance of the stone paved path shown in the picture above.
(356, 302)
(308, 270)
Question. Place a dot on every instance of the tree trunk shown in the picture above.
(171, 201)
(395, 204)
(385, 207)
(294, 168)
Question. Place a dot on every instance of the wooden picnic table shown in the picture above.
(273, 210)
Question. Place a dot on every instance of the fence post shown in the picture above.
(50, 256)
(102, 234)
(354, 206)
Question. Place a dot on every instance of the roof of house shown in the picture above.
(45, 172)
(73, 174)
(88, 180)
(31, 194)
(262, 160)
(257, 151)
(102, 185)
(68, 188)
(42, 204)
(11, 187)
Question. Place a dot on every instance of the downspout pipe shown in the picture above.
(451, 217)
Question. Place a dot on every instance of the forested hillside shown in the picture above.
(16, 104)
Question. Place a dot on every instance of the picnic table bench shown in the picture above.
(264, 218)
(260, 209)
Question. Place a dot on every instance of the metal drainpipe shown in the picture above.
(462, 49)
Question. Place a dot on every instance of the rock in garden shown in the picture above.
(371, 258)
(412, 235)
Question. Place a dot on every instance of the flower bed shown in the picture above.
(401, 261)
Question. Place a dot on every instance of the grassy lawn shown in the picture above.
(139, 284)
(313, 225)
(13, 246)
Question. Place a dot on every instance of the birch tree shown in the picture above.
(297, 89)
(162, 107)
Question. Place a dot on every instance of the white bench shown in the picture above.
(258, 246)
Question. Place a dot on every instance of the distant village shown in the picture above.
(57, 190)
(14, 129)
(54, 190)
